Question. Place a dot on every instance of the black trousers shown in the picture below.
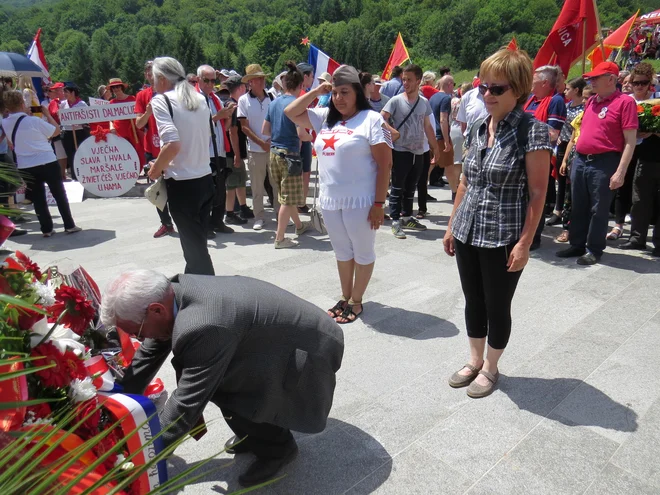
(646, 202)
(623, 198)
(488, 288)
(423, 182)
(70, 146)
(406, 168)
(436, 175)
(50, 174)
(561, 179)
(265, 440)
(218, 212)
(190, 204)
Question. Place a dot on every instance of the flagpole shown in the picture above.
(600, 31)
(584, 45)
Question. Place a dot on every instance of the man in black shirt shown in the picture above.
(236, 180)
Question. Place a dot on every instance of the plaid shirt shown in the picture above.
(492, 212)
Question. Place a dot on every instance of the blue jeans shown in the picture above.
(591, 196)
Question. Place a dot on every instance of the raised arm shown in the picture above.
(297, 109)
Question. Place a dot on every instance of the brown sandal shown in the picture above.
(338, 308)
(348, 314)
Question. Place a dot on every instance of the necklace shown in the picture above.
(343, 122)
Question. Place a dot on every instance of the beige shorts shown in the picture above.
(59, 149)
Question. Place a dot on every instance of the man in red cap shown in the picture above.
(56, 94)
(604, 149)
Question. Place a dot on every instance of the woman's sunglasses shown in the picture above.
(640, 83)
(495, 89)
(206, 81)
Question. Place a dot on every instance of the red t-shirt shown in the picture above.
(54, 109)
(126, 130)
(428, 91)
(151, 141)
(603, 124)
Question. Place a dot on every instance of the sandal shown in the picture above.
(477, 391)
(457, 380)
(348, 314)
(420, 215)
(615, 233)
(337, 309)
(563, 237)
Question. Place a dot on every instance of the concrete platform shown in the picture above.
(577, 409)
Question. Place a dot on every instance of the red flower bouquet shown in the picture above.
(648, 113)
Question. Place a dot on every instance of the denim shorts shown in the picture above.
(306, 155)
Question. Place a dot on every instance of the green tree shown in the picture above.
(132, 67)
(14, 46)
(189, 52)
(105, 58)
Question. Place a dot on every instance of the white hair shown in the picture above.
(204, 68)
(428, 77)
(550, 73)
(171, 70)
(129, 295)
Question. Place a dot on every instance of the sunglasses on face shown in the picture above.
(206, 81)
(495, 89)
(640, 83)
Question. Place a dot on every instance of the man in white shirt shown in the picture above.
(205, 84)
(252, 110)
(472, 108)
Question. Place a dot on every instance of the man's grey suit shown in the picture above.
(250, 348)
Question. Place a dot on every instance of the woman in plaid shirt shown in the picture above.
(498, 206)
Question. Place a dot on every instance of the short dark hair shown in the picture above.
(444, 70)
(293, 77)
(396, 72)
(415, 69)
(365, 78)
(577, 83)
(361, 103)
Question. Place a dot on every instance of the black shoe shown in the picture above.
(18, 232)
(633, 245)
(246, 212)
(656, 252)
(571, 252)
(430, 198)
(303, 209)
(440, 183)
(588, 259)
(263, 470)
(210, 234)
(233, 219)
(235, 446)
(222, 229)
(553, 220)
(535, 245)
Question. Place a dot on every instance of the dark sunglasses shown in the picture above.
(495, 89)
(206, 81)
(640, 83)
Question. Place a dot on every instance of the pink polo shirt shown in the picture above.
(603, 135)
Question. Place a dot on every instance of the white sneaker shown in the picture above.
(285, 243)
(258, 224)
(306, 225)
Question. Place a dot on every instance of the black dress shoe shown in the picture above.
(263, 470)
(18, 232)
(656, 252)
(553, 220)
(210, 234)
(223, 229)
(245, 212)
(233, 219)
(633, 245)
(588, 259)
(235, 446)
(571, 252)
(430, 198)
(535, 245)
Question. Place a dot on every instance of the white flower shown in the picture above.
(31, 420)
(61, 338)
(82, 390)
(120, 459)
(45, 293)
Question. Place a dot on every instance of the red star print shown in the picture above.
(330, 143)
(343, 123)
(304, 41)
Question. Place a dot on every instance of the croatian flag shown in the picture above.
(321, 62)
(36, 54)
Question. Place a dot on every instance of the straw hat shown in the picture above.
(253, 71)
(116, 82)
(325, 77)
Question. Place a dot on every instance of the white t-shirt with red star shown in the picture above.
(347, 169)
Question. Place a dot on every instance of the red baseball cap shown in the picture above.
(602, 69)
(57, 85)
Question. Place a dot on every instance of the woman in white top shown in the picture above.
(182, 117)
(30, 138)
(355, 156)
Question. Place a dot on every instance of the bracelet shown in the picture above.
(378, 205)
(379, 202)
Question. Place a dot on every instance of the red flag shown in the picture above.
(397, 57)
(615, 40)
(575, 29)
(513, 44)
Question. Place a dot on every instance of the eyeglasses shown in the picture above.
(209, 80)
(140, 331)
(640, 83)
(495, 89)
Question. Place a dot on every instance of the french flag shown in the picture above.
(36, 54)
(321, 62)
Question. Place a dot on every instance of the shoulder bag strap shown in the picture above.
(409, 114)
(13, 136)
(169, 105)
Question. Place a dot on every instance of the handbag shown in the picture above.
(156, 193)
(315, 214)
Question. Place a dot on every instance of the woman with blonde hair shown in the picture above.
(30, 96)
(498, 206)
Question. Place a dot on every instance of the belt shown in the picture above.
(284, 152)
(595, 156)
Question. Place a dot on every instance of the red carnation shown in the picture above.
(40, 411)
(656, 111)
(105, 445)
(28, 264)
(640, 109)
(27, 317)
(56, 376)
(90, 410)
(79, 311)
(74, 366)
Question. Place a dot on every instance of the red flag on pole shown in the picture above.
(575, 32)
(397, 57)
(614, 41)
(513, 44)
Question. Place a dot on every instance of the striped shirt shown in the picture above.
(492, 212)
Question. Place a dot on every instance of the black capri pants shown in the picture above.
(488, 288)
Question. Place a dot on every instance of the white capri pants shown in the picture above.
(351, 234)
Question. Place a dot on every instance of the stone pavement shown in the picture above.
(577, 409)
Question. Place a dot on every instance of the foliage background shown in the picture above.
(90, 41)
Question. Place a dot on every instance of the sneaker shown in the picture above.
(233, 219)
(73, 230)
(258, 224)
(163, 230)
(303, 228)
(571, 252)
(246, 212)
(285, 243)
(588, 259)
(413, 224)
(303, 209)
(397, 230)
(628, 219)
(46, 234)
